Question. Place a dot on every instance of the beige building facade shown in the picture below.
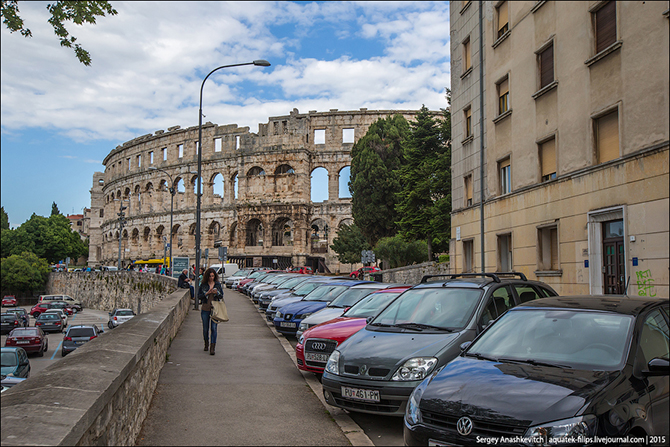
(576, 145)
(256, 197)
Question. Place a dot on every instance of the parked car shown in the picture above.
(62, 305)
(316, 344)
(9, 381)
(9, 301)
(14, 362)
(77, 336)
(361, 272)
(296, 295)
(553, 368)
(302, 269)
(9, 322)
(31, 339)
(376, 369)
(288, 318)
(119, 316)
(41, 307)
(74, 303)
(50, 322)
(61, 313)
(21, 313)
(243, 273)
(244, 284)
(274, 283)
(265, 298)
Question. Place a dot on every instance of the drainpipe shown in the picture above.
(481, 133)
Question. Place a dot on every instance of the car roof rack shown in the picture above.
(494, 276)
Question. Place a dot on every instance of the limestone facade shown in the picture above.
(576, 145)
(256, 197)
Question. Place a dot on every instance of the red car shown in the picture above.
(364, 271)
(304, 269)
(9, 301)
(317, 343)
(39, 308)
(31, 339)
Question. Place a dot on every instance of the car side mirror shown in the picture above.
(658, 367)
(368, 320)
(465, 345)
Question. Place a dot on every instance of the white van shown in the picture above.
(230, 268)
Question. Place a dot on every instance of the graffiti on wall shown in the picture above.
(645, 284)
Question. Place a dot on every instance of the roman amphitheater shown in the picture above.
(256, 191)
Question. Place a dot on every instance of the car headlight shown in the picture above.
(301, 340)
(303, 316)
(278, 315)
(333, 365)
(415, 369)
(413, 413)
(574, 427)
(304, 326)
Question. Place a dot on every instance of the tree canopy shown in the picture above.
(398, 252)
(349, 243)
(24, 272)
(4, 219)
(54, 209)
(78, 12)
(374, 182)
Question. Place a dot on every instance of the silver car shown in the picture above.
(119, 316)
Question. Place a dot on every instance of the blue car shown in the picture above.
(15, 362)
(287, 319)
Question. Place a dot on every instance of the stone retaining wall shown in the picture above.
(412, 274)
(110, 290)
(100, 393)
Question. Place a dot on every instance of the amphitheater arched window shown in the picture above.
(236, 182)
(126, 193)
(159, 231)
(284, 169)
(254, 235)
(215, 228)
(319, 236)
(175, 231)
(179, 185)
(139, 195)
(282, 232)
(194, 184)
(118, 194)
(149, 188)
(191, 229)
(125, 234)
(217, 186)
(349, 222)
(319, 185)
(232, 239)
(147, 234)
(162, 186)
(343, 180)
(135, 234)
(256, 170)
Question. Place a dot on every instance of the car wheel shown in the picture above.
(63, 353)
(36, 314)
(109, 325)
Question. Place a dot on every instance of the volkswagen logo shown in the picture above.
(319, 346)
(464, 426)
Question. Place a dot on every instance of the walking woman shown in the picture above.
(210, 290)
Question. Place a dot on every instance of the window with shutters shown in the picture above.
(604, 23)
(548, 159)
(607, 137)
(503, 96)
(467, 56)
(502, 19)
(547, 243)
(546, 63)
(468, 190)
(505, 170)
(468, 122)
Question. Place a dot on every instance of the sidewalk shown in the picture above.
(249, 393)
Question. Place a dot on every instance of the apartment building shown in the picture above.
(575, 146)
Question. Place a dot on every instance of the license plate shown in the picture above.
(286, 324)
(22, 342)
(359, 394)
(316, 357)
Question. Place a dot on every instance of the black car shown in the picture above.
(376, 369)
(9, 322)
(21, 313)
(77, 336)
(552, 371)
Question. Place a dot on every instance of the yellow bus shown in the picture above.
(152, 263)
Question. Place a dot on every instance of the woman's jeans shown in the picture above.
(206, 323)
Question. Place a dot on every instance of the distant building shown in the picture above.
(77, 224)
(575, 139)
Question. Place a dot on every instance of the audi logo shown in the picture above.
(319, 346)
(464, 426)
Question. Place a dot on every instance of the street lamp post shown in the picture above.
(260, 63)
(172, 193)
(122, 220)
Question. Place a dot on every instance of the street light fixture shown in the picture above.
(260, 63)
(172, 193)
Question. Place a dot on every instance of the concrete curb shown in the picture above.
(351, 429)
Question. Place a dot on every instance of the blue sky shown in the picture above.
(60, 119)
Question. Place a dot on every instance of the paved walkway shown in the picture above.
(249, 393)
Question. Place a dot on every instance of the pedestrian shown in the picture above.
(210, 290)
(184, 280)
(158, 269)
(202, 271)
(163, 270)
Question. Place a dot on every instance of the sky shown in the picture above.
(60, 118)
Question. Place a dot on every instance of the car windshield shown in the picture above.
(11, 317)
(325, 293)
(240, 273)
(350, 297)
(291, 283)
(586, 340)
(304, 289)
(81, 332)
(256, 274)
(444, 308)
(25, 332)
(280, 280)
(48, 316)
(370, 305)
(124, 313)
(9, 359)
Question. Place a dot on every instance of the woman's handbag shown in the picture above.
(219, 312)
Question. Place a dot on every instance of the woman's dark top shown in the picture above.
(205, 300)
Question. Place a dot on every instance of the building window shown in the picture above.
(468, 190)
(503, 96)
(467, 55)
(129, 164)
(548, 160)
(505, 253)
(237, 142)
(181, 150)
(102, 212)
(151, 157)
(139, 161)
(347, 136)
(217, 144)
(164, 150)
(468, 256)
(547, 248)
(607, 137)
(505, 169)
(468, 122)
(604, 22)
(546, 63)
(320, 136)
(503, 19)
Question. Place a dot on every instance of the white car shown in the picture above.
(61, 313)
(119, 316)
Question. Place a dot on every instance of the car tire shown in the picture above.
(63, 353)
(109, 325)
(36, 314)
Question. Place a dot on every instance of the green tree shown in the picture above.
(4, 219)
(54, 208)
(424, 203)
(374, 183)
(24, 272)
(349, 243)
(398, 252)
(78, 12)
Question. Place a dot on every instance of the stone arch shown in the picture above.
(256, 170)
(319, 185)
(191, 229)
(147, 235)
(179, 185)
(343, 178)
(126, 192)
(254, 233)
(284, 169)
(135, 234)
(235, 181)
(348, 221)
(318, 238)
(217, 187)
(283, 230)
(175, 236)
(194, 184)
(232, 237)
(214, 228)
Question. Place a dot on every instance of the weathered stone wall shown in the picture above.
(110, 290)
(100, 393)
(412, 274)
